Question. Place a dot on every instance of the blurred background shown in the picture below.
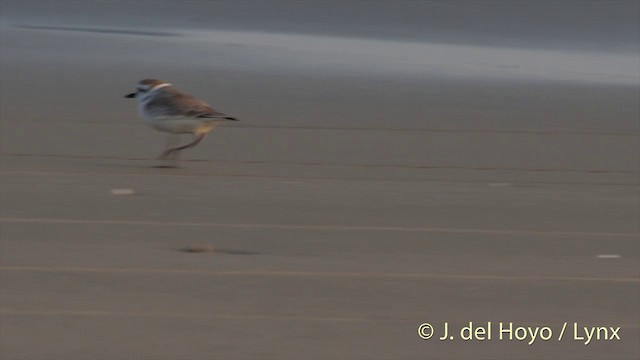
(396, 163)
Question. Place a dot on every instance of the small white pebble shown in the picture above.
(608, 256)
(122, 192)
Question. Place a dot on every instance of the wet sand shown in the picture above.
(349, 206)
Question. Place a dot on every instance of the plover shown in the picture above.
(167, 109)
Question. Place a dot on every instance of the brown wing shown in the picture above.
(174, 103)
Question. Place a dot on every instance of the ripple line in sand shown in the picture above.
(317, 227)
(316, 274)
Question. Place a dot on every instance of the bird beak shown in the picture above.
(130, 96)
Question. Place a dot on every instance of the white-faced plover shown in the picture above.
(167, 109)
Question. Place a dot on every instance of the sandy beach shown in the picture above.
(451, 164)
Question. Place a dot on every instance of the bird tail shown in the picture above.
(217, 116)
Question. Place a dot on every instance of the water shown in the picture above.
(574, 41)
(594, 26)
(542, 66)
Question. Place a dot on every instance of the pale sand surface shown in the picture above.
(350, 205)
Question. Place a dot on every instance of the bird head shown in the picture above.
(146, 87)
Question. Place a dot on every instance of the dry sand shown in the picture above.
(348, 207)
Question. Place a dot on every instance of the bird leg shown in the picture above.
(170, 161)
(196, 139)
